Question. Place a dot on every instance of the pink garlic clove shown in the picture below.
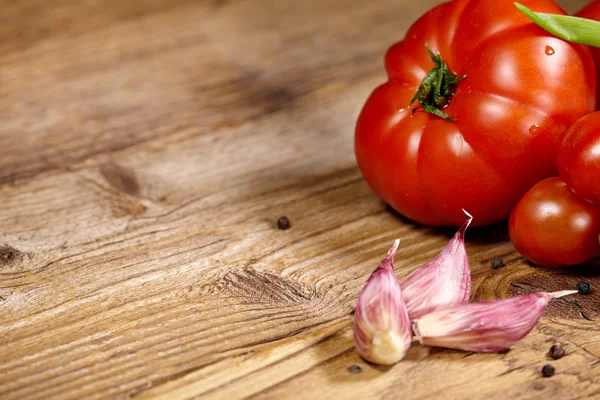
(382, 329)
(443, 282)
(484, 327)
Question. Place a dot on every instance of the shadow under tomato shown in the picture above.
(490, 234)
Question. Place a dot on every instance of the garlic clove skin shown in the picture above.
(484, 327)
(382, 329)
(443, 282)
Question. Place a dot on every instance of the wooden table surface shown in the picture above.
(147, 149)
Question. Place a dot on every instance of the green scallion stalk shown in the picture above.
(572, 29)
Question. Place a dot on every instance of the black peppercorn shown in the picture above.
(547, 370)
(497, 262)
(283, 223)
(583, 288)
(556, 352)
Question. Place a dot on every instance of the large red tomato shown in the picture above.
(522, 89)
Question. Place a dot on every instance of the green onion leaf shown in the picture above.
(572, 29)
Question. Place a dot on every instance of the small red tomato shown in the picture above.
(553, 227)
(578, 159)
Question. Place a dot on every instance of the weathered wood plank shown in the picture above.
(170, 69)
(147, 151)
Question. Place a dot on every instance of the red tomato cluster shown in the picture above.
(477, 122)
(471, 117)
(557, 222)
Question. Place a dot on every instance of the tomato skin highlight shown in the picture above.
(578, 158)
(552, 227)
(511, 109)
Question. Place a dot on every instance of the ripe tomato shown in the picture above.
(578, 158)
(522, 89)
(553, 227)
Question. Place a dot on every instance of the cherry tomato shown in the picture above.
(509, 89)
(578, 158)
(553, 227)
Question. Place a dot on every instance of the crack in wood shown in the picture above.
(583, 315)
(512, 370)
(515, 285)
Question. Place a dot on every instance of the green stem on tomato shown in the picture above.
(572, 29)
(436, 89)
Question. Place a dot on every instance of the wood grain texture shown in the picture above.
(146, 152)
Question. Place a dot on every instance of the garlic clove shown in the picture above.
(484, 327)
(382, 329)
(443, 282)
